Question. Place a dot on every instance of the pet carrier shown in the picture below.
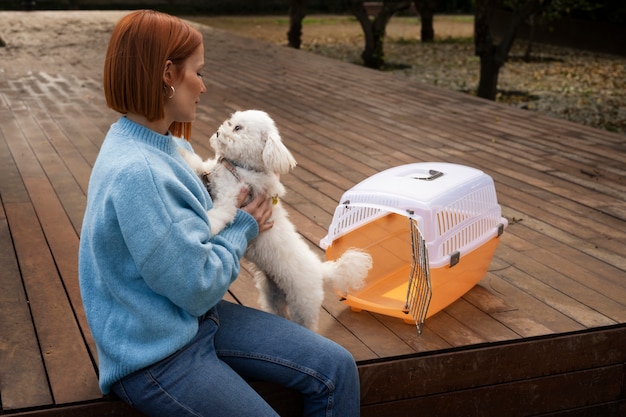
(431, 229)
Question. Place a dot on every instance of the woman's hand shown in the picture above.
(260, 208)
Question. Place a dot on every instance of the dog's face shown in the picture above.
(250, 139)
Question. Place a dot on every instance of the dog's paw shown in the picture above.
(196, 163)
(209, 165)
(194, 160)
(220, 217)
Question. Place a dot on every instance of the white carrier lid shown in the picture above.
(422, 182)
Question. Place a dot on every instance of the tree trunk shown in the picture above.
(374, 30)
(485, 49)
(297, 12)
(426, 10)
(359, 11)
(489, 72)
(493, 56)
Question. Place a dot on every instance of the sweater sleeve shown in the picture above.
(166, 231)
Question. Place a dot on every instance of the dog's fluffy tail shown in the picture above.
(349, 271)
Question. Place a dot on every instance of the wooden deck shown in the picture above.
(544, 333)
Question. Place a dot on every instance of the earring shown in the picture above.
(165, 90)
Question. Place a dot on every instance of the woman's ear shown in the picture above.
(168, 72)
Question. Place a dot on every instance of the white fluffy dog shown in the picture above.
(289, 275)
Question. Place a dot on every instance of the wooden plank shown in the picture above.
(69, 172)
(24, 383)
(286, 402)
(103, 408)
(12, 187)
(364, 325)
(429, 340)
(534, 396)
(70, 369)
(569, 260)
(489, 329)
(493, 364)
(48, 188)
(531, 316)
(581, 302)
(610, 409)
(572, 223)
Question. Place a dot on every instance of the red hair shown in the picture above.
(140, 45)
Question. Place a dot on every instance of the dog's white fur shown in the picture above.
(288, 274)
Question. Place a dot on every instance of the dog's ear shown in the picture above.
(276, 156)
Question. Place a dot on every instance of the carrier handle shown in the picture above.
(434, 174)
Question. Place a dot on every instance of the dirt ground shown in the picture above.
(37, 41)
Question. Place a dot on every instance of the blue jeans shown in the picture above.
(206, 378)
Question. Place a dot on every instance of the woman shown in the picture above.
(152, 276)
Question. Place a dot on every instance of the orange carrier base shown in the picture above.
(388, 241)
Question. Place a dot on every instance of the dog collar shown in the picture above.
(232, 168)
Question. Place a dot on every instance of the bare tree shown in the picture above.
(374, 30)
(426, 10)
(297, 12)
(494, 52)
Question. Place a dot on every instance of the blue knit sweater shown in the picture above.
(148, 264)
